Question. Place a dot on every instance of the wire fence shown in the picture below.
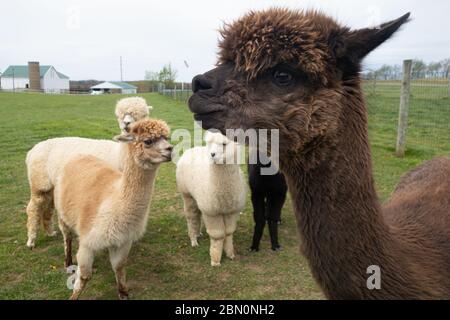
(177, 94)
(428, 124)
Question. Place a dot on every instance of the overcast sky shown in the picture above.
(84, 39)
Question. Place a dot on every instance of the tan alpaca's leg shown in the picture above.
(39, 203)
(47, 217)
(215, 228)
(193, 218)
(230, 227)
(67, 235)
(118, 258)
(85, 258)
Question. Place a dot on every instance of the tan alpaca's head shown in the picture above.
(130, 110)
(288, 70)
(148, 143)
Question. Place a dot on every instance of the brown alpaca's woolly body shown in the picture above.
(325, 153)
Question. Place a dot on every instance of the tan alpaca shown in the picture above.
(45, 160)
(108, 209)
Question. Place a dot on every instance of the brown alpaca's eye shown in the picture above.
(148, 142)
(282, 78)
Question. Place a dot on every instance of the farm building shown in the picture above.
(34, 77)
(114, 87)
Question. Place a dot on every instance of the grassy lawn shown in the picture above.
(163, 265)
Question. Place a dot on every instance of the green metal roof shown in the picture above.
(22, 72)
(123, 85)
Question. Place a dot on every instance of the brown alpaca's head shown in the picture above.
(287, 70)
(148, 142)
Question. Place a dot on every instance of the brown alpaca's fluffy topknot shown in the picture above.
(150, 129)
(261, 40)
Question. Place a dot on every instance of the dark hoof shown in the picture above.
(253, 249)
(123, 295)
(276, 248)
(68, 263)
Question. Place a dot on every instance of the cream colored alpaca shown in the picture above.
(130, 110)
(213, 188)
(45, 160)
(108, 209)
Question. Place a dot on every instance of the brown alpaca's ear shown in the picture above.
(357, 44)
(124, 138)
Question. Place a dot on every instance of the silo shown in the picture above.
(34, 75)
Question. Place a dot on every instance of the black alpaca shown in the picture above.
(268, 197)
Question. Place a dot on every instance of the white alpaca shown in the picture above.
(108, 209)
(45, 160)
(213, 188)
(129, 110)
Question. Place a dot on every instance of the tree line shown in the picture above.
(420, 69)
(167, 75)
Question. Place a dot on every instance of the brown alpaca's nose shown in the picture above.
(200, 82)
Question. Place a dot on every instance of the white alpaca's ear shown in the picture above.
(124, 138)
(150, 108)
(209, 135)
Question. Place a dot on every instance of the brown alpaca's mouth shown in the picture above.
(207, 101)
(211, 115)
(206, 115)
(211, 120)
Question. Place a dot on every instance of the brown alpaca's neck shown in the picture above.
(339, 216)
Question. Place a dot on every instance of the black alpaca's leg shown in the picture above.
(282, 192)
(259, 217)
(274, 205)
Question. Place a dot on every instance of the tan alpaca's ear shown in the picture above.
(124, 138)
(358, 43)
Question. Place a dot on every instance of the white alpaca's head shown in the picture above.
(221, 150)
(130, 110)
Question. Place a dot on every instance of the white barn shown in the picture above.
(51, 81)
(114, 87)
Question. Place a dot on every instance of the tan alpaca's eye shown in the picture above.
(282, 78)
(148, 142)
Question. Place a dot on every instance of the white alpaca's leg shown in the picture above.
(118, 258)
(230, 227)
(40, 202)
(193, 218)
(85, 258)
(216, 231)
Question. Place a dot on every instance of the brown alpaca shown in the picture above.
(299, 72)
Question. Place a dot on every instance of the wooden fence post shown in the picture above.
(449, 86)
(404, 109)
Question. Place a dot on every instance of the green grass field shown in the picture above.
(162, 265)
